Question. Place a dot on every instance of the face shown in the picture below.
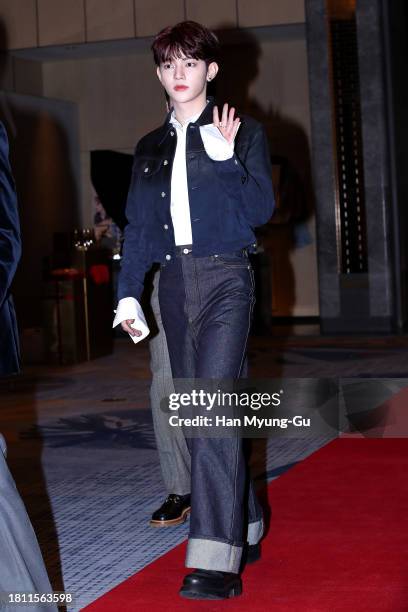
(185, 79)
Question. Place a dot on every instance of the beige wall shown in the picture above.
(253, 13)
(31, 23)
(18, 23)
(119, 99)
(281, 89)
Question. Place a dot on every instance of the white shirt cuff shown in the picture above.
(215, 144)
(129, 308)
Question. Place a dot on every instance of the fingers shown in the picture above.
(227, 118)
(216, 118)
(235, 127)
(229, 124)
(224, 119)
(231, 117)
(126, 326)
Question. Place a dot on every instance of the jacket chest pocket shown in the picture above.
(149, 169)
(150, 178)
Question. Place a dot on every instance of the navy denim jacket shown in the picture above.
(228, 199)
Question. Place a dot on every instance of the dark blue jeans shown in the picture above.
(206, 305)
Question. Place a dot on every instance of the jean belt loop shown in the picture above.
(183, 249)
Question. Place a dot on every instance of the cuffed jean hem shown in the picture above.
(211, 555)
(255, 532)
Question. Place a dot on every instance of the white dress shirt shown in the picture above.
(218, 149)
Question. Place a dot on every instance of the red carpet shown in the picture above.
(338, 541)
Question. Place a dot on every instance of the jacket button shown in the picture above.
(166, 227)
(171, 133)
(146, 169)
(165, 162)
(235, 161)
(168, 257)
(163, 194)
(186, 251)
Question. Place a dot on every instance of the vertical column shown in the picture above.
(380, 238)
(394, 18)
(324, 168)
(350, 167)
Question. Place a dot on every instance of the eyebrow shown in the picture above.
(182, 59)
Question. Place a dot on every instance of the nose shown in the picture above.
(179, 71)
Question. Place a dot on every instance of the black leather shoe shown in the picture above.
(253, 553)
(209, 584)
(173, 512)
(250, 554)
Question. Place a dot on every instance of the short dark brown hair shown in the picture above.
(187, 38)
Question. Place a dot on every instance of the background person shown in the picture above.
(22, 568)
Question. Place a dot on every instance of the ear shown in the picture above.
(159, 74)
(212, 71)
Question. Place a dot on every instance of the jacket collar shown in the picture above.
(205, 118)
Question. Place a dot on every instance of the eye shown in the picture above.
(191, 64)
(167, 66)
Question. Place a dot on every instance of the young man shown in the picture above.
(200, 184)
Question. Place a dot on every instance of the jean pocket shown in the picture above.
(231, 260)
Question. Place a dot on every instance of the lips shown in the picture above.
(180, 88)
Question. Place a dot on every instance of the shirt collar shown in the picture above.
(205, 118)
(174, 121)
